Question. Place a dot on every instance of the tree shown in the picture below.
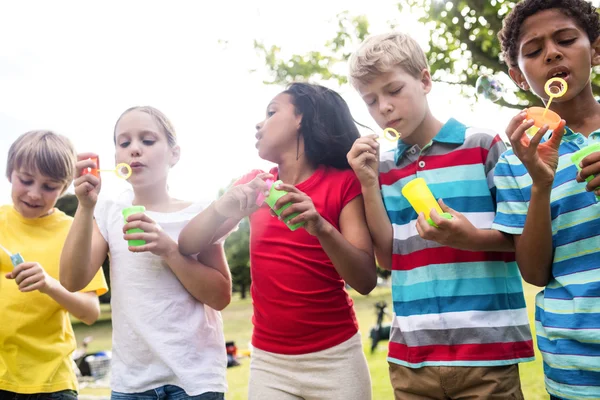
(237, 249)
(462, 46)
(68, 204)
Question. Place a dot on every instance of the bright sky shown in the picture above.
(74, 66)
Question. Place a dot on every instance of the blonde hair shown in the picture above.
(381, 53)
(50, 154)
(159, 117)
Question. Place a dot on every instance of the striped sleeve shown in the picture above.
(511, 204)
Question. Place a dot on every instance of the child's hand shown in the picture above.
(31, 276)
(302, 204)
(157, 241)
(456, 232)
(87, 187)
(541, 160)
(240, 201)
(591, 166)
(363, 157)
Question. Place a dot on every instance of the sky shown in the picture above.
(73, 67)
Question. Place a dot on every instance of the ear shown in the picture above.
(596, 52)
(175, 155)
(517, 76)
(426, 82)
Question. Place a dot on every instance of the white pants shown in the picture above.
(337, 373)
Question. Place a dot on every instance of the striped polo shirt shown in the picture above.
(568, 310)
(452, 307)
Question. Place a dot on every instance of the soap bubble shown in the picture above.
(489, 88)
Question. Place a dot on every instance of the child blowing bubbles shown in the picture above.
(305, 338)
(553, 217)
(167, 331)
(36, 336)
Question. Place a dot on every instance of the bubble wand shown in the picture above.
(122, 170)
(544, 116)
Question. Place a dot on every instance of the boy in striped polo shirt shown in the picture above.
(542, 199)
(460, 323)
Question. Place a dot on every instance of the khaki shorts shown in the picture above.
(448, 383)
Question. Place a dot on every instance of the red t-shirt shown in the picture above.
(300, 302)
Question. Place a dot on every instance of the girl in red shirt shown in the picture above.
(305, 339)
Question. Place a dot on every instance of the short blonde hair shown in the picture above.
(381, 53)
(159, 117)
(52, 155)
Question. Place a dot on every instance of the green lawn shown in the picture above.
(238, 328)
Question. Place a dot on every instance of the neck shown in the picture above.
(153, 197)
(429, 127)
(294, 171)
(582, 112)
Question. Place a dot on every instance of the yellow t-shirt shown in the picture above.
(36, 336)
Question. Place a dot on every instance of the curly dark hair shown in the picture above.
(327, 126)
(582, 12)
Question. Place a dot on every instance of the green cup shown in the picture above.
(583, 153)
(272, 198)
(130, 211)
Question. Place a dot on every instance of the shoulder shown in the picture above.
(481, 137)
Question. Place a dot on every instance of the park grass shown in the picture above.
(238, 328)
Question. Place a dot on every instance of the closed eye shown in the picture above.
(124, 144)
(149, 142)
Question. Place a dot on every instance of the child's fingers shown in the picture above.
(36, 286)
(23, 275)
(287, 188)
(557, 135)
(514, 123)
(591, 159)
(589, 170)
(146, 236)
(21, 267)
(145, 226)
(537, 138)
(594, 184)
(29, 281)
(140, 217)
(294, 208)
(518, 139)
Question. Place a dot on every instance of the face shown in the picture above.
(143, 145)
(278, 133)
(33, 194)
(397, 99)
(553, 45)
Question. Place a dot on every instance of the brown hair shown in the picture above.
(50, 154)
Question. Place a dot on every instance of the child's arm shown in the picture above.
(364, 160)
(534, 248)
(350, 250)
(207, 278)
(222, 216)
(31, 276)
(85, 249)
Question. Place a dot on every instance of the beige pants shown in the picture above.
(453, 383)
(338, 373)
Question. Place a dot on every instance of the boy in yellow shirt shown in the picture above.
(36, 336)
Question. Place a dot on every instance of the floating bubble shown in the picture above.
(489, 88)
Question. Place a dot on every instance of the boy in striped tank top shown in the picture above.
(543, 201)
(460, 324)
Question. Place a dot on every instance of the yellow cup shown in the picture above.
(421, 199)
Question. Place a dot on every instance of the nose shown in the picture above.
(34, 193)
(385, 106)
(553, 54)
(258, 126)
(135, 149)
